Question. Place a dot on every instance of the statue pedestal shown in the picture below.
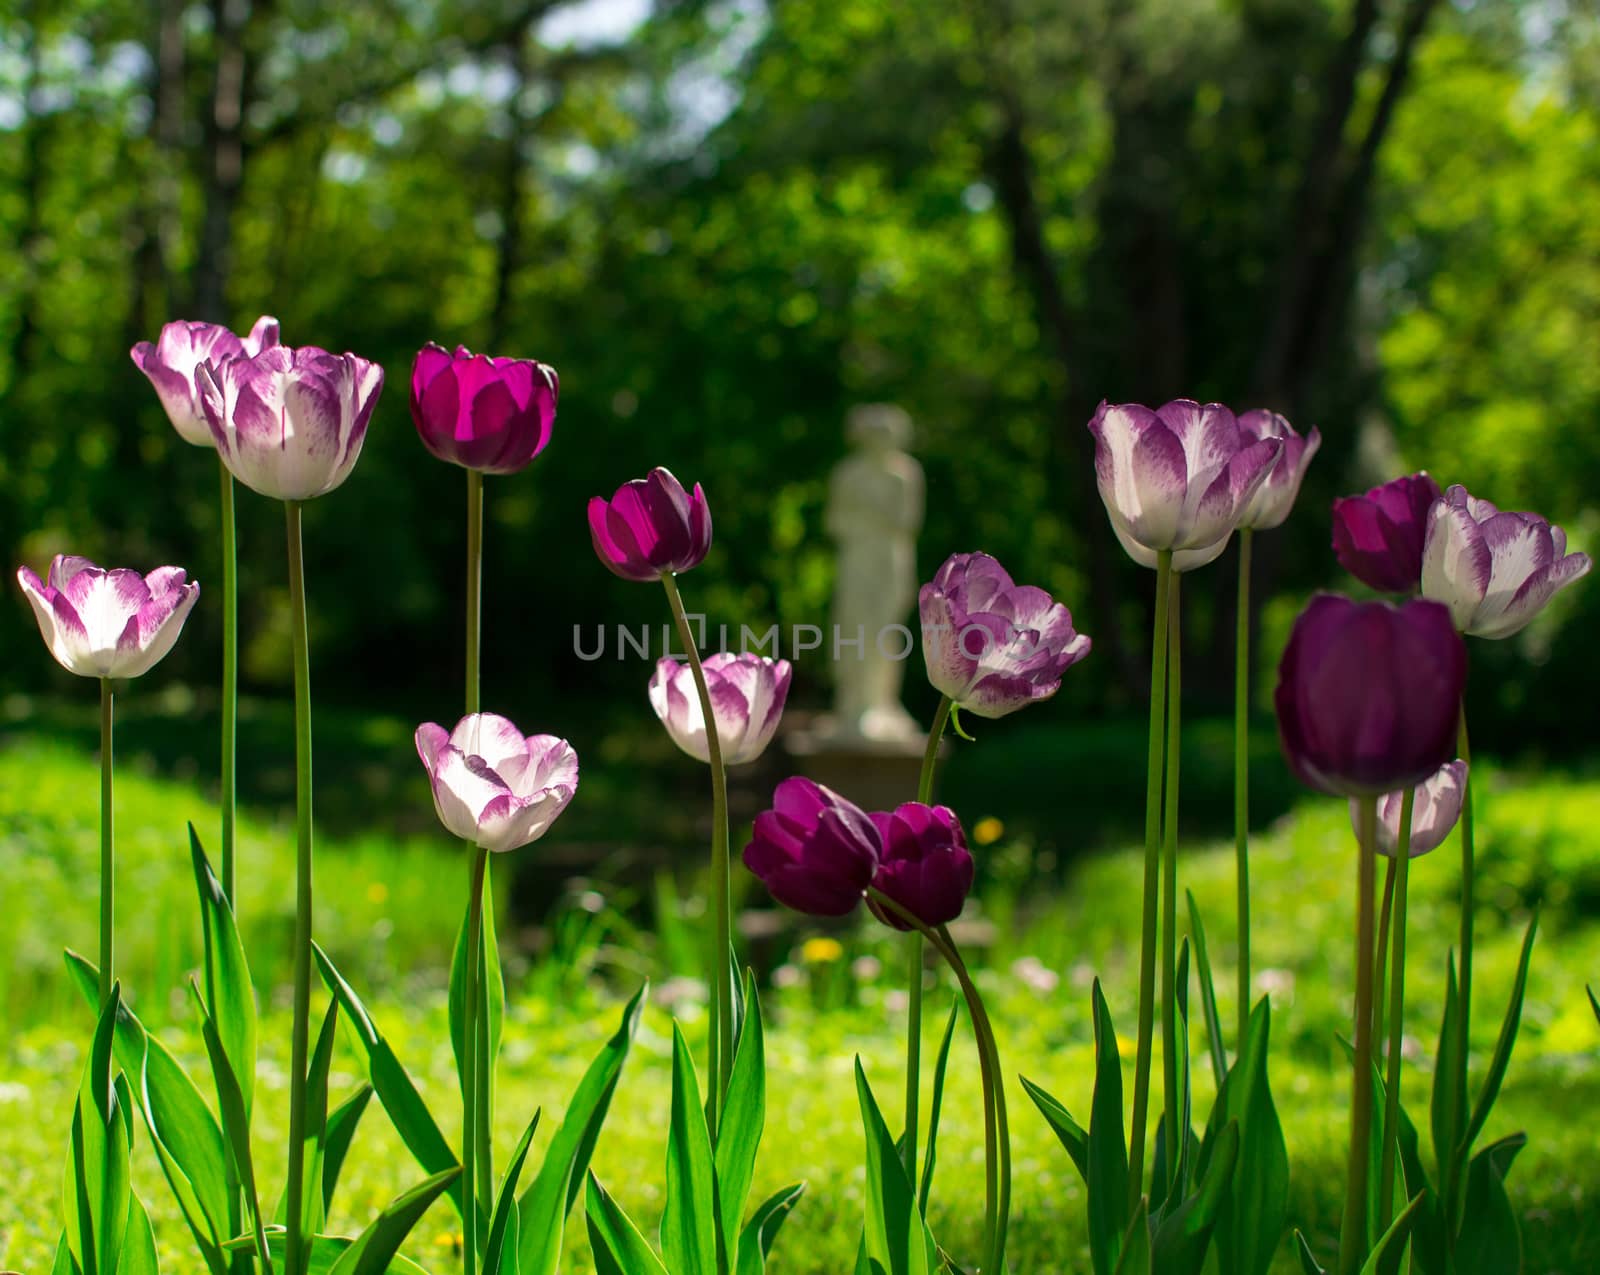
(876, 774)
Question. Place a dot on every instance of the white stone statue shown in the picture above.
(875, 506)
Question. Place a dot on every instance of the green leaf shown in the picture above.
(755, 1241)
(1072, 1135)
(314, 1206)
(1447, 1097)
(1180, 1243)
(897, 1238)
(1490, 1242)
(1429, 1244)
(63, 1261)
(504, 1216)
(230, 996)
(618, 1247)
(139, 1245)
(1593, 1003)
(325, 1252)
(1135, 1256)
(341, 1130)
(97, 1188)
(395, 1090)
(1208, 994)
(1257, 1210)
(1386, 1253)
(1108, 1150)
(374, 1249)
(186, 1137)
(744, 1114)
(494, 985)
(1501, 1060)
(930, 1154)
(234, 1121)
(544, 1206)
(1308, 1261)
(689, 1225)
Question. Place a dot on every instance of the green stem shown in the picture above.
(1241, 774)
(1464, 984)
(1172, 1039)
(721, 883)
(1353, 1227)
(1382, 977)
(295, 1250)
(1401, 863)
(471, 1095)
(474, 585)
(1152, 866)
(930, 759)
(482, 1129)
(108, 885)
(230, 687)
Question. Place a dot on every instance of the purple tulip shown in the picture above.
(814, 850)
(492, 786)
(651, 527)
(1177, 478)
(990, 645)
(178, 353)
(925, 866)
(747, 696)
(1369, 694)
(492, 415)
(1434, 811)
(289, 423)
(108, 623)
(1495, 571)
(1378, 537)
(1273, 500)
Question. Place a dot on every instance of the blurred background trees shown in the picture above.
(725, 222)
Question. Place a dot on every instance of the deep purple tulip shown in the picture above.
(108, 623)
(1273, 500)
(1494, 570)
(492, 785)
(289, 423)
(990, 645)
(1177, 478)
(925, 866)
(1434, 810)
(747, 696)
(176, 355)
(1369, 694)
(1378, 537)
(652, 527)
(814, 850)
(492, 415)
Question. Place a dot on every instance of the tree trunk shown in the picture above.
(223, 174)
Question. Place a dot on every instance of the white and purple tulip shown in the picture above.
(1434, 811)
(747, 697)
(287, 422)
(177, 354)
(1178, 478)
(1494, 570)
(491, 785)
(1276, 495)
(991, 645)
(108, 623)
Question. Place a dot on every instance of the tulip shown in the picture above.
(1369, 694)
(924, 866)
(1494, 570)
(172, 361)
(1436, 805)
(992, 646)
(1275, 497)
(490, 415)
(816, 852)
(1177, 478)
(1378, 537)
(747, 696)
(289, 422)
(491, 785)
(651, 528)
(108, 623)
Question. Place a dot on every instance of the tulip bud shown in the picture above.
(747, 696)
(108, 623)
(492, 786)
(1378, 537)
(1435, 807)
(925, 866)
(1275, 497)
(492, 415)
(178, 353)
(651, 527)
(814, 850)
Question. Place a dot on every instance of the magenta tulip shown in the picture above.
(108, 623)
(747, 696)
(1369, 694)
(1378, 537)
(178, 353)
(652, 527)
(815, 851)
(1435, 808)
(491, 785)
(1275, 497)
(924, 865)
(492, 415)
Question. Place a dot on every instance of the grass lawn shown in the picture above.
(388, 908)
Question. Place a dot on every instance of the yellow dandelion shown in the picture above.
(821, 951)
(988, 830)
(377, 892)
